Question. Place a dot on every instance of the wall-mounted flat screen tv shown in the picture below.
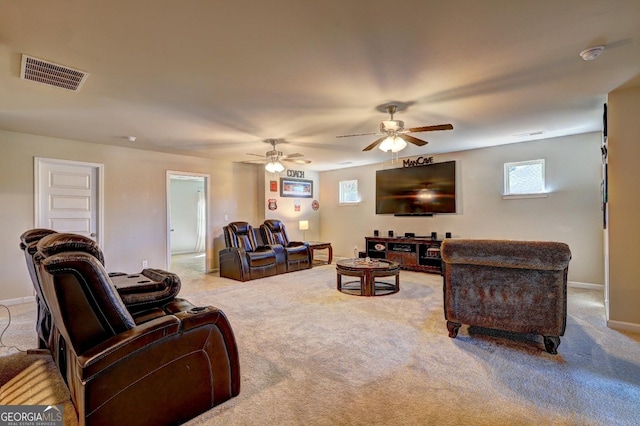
(420, 190)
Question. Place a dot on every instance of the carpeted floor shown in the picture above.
(314, 356)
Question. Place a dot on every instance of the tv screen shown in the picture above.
(420, 190)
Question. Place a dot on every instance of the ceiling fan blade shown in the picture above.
(374, 144)
(256, 155)
(432, 128)
(296, 160)
(295, 155)
(413, 140)
(357, 134)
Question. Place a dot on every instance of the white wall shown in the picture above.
(571, 213)
(135, 219)
(286, 210)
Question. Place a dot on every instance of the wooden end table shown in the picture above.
(367, 271)
(317, 245)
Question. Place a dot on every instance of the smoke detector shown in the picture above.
(591, 53)
(52, 74)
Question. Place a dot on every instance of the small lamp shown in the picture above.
(303, 225)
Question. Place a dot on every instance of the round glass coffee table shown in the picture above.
(368, 271)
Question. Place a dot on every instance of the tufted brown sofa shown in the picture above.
(518, 286)
(156, 365)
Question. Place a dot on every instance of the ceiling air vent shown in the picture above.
(45, 72)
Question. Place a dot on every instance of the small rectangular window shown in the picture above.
(349, 192)
(524, 178)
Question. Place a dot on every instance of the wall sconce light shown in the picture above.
(303, 225)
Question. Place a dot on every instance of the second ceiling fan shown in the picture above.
(273, 158)
(394, 136)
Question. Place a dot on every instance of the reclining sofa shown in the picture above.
(518, 286)
(249, 255)
(148, 364)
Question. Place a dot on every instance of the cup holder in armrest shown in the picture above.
(197, 309)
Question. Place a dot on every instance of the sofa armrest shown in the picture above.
(234, 264)
(188, 365)
(281, 257)
(125, 344)
(147, 289)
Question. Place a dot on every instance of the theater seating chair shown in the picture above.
(28, 242)
(148, 289)
(160, 369)
(297, 253)
(244, 259)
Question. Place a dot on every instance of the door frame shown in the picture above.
(208, 244)
(37, 170)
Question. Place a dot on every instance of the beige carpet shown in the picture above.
(311, 355)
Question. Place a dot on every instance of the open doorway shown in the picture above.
(188, 231)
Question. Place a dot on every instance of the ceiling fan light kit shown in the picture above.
(395, 136)
(273, 158)
(274, 167)
(393, 144)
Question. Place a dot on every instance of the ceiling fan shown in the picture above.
(274, 157)
(394, 136)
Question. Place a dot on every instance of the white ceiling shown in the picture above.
(215, 78)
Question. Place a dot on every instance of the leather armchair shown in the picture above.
(244, 259)
(163, 369)
(298, 254)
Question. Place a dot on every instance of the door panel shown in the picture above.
(67, 196)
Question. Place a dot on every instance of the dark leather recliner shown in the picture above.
(243, 259)
(298, 254)
(163, 368)
(148, 289)
(28, 242)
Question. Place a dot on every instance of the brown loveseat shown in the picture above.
(246, 258)
(518, 286)
(155, 366)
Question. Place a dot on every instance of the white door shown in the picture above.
(67, 196)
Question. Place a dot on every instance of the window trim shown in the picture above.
(341, 185)
(507, 195)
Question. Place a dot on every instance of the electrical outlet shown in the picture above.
(145, 263)
(226, 217)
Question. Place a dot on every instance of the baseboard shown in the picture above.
(18, 301)
(589, 286)
(624, 326)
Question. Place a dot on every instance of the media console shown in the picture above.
(412, 253)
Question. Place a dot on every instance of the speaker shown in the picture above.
(376, 233)
(410, 234)
(390, 234)
(434, 236)
(447, 235)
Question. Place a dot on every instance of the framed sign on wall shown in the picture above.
(298, 188)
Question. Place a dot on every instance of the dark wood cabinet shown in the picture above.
(414, 254)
